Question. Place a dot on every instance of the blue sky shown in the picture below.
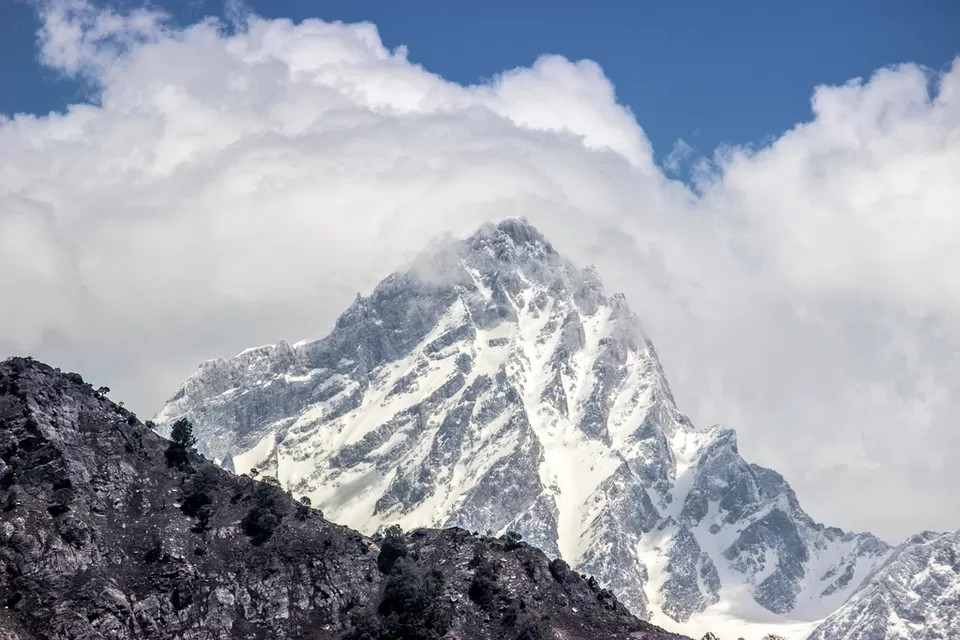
(708, 72)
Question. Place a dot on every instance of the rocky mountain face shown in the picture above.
(105, 534)
(497, 387)
(914, 595)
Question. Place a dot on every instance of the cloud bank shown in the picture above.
(239, 184)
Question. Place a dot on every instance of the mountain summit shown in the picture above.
(496, 386)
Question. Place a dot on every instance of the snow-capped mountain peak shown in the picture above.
(496, 386)
(914, 595)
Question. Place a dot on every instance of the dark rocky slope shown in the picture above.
(100, 537)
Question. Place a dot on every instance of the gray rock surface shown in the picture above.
(100, 537)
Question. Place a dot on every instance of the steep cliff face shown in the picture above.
(103, 535)
(496, 386)
(915, 595)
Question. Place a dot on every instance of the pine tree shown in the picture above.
(181, 441)
(182, 433)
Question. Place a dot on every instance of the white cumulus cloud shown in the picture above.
(237, 186)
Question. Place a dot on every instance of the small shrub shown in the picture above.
(204, 514)
(182, 433)
(412, 607)
(512, 540)
(535, 629)
(393, 547)
(198, 492)
(181, 441)
(366, 625)
(259, 524)
(559, 570)
(483, 585)
(266, 514)
(303, 509)
(194, 502)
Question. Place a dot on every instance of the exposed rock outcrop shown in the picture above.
(102, 535)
